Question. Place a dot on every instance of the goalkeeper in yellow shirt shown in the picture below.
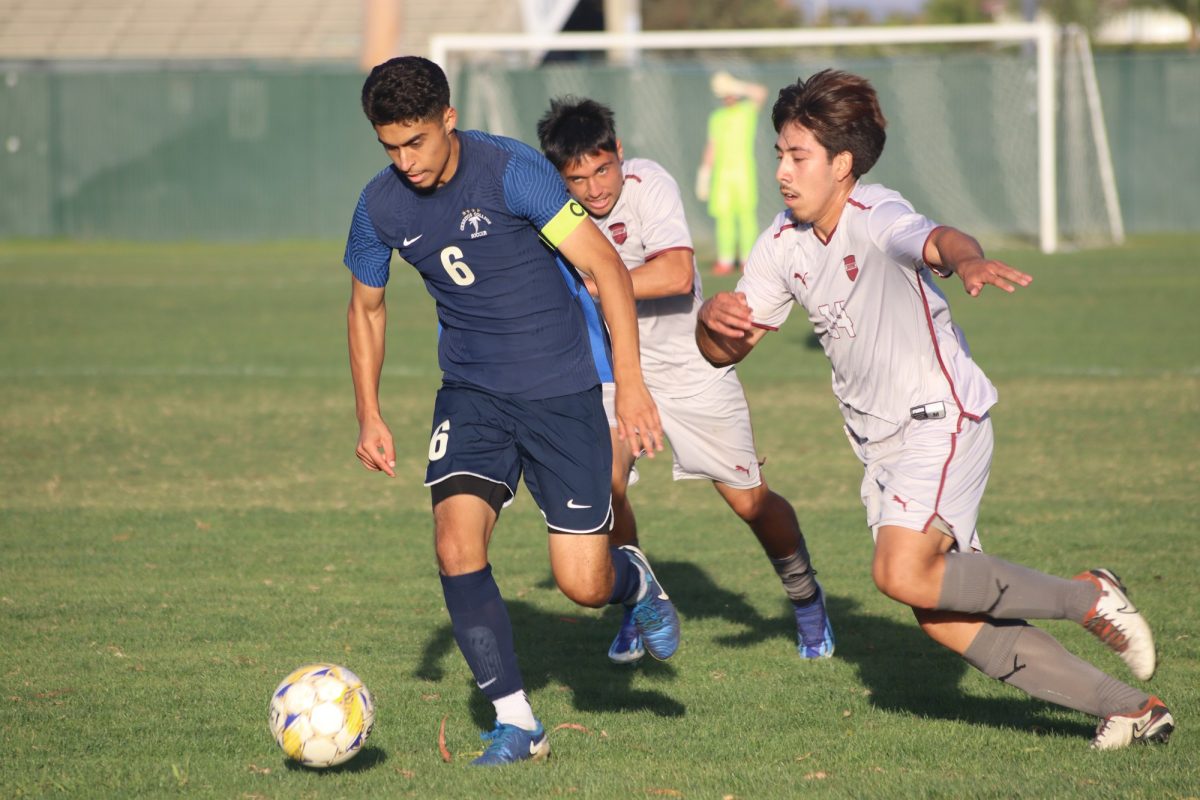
(727, 177)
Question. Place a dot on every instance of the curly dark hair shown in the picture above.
(576, 127)
(841, 110)
(405, 89)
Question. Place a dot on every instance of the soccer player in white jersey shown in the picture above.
(860, 261)
(637, 205)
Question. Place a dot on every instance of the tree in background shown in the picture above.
(1189, 8)
(726, 14)
(662, 15)
(1088, 14)
(958, 12)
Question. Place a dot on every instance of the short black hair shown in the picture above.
(576, 127)
(405, 89)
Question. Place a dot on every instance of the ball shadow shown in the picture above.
(368, 757)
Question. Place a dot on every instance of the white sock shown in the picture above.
(514, 709)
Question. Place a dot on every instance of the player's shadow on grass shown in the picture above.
(563, 649)
(907, 672)
(903, 669)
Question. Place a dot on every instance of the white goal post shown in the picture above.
(448, 49)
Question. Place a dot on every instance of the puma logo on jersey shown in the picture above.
(903, 503)
(803, 276)
(740, 468)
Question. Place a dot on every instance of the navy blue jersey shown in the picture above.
(507, 310)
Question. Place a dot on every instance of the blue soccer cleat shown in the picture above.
(508, 744)
(654, 613)
(627, 647)
(814, 636)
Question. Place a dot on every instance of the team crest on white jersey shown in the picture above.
(619, 232)
(476, 219)
(851, 267)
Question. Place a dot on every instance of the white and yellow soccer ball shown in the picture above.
(321, 715)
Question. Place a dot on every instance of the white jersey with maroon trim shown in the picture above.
(871, 299)
(647, 221)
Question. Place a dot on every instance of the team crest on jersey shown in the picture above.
(476, 219)
(618, 231)
(851, 267)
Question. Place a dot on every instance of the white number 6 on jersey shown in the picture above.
(455, 267)
(440, 441)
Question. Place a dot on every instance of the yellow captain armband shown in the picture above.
(566, 220)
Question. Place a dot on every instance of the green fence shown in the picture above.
(165, 152)
(261, 151)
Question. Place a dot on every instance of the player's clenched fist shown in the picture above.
(727, 313)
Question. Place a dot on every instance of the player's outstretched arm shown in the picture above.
(725, 331)
(950, 250)
(637, 416)
(366, 326)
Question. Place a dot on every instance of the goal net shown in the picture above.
(995, 129)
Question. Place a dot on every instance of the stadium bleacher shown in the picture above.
(303, 30)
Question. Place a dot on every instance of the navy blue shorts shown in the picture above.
(560, 444)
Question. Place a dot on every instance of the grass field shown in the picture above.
(183, 522)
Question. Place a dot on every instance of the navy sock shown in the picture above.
(483, 631)
(627, 580)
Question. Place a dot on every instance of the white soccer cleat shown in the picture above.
(1115, 621)
(1151, 723)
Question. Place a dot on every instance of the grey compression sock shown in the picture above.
(797, 576)
(976, 583)
(1033, 661)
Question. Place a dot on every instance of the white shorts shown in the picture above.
(710, 433)
(931, 469)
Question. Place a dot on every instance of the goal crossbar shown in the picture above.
(1042, 35)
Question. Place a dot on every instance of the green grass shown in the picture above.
(183, 521)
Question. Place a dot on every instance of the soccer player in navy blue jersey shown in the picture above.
(483, 218)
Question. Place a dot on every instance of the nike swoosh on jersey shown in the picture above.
(408, 241)
(572, 504)
(486, 684)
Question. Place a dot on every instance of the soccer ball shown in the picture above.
(321, 714)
